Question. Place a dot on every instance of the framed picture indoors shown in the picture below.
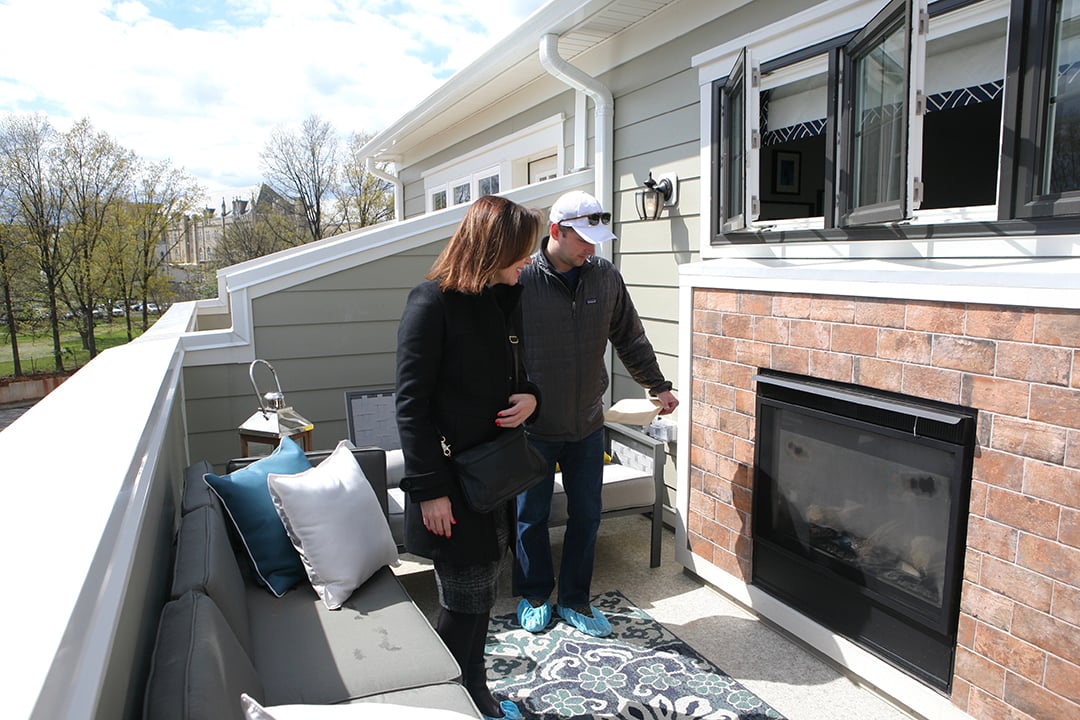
(786, 173)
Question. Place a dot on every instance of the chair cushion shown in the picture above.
(205, 562)
(379, 641)
(246, 498)
(336, 524)
(199, 669)
(624, 488)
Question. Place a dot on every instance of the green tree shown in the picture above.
(29, 153)
(365, 199)
(95, 172)
(304, 165)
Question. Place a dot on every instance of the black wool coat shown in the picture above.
(454, 374)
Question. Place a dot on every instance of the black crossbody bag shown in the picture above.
(496, 471)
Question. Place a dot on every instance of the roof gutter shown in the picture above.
(603, 108)
(399, 187)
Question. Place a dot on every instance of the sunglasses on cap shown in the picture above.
(594, 219)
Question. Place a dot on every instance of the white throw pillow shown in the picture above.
(358, 710)
(335, 523)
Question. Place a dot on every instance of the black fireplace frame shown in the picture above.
(920, 640)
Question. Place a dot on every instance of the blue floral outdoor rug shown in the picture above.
(642, 670)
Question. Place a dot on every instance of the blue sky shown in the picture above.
(204, 83)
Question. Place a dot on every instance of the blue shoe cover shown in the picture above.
(510, 710)
(597, 625)
(533, 619)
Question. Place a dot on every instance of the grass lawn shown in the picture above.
(36, 349)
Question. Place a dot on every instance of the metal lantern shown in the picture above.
(273, 419)
(657, 193)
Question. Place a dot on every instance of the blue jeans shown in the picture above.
(582, 466)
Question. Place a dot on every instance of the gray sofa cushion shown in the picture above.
(205, 561)
(378, 642)
(196, 492)
(199, 668)
(624, 487)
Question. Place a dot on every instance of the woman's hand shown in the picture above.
(522, 405)
(438, 515)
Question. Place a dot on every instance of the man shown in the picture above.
(573, 303)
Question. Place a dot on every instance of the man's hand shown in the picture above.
(668, 402)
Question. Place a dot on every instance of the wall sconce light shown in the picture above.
(656, 195)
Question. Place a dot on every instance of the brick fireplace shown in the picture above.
(1018, 647)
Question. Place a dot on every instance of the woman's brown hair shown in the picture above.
(494, 234)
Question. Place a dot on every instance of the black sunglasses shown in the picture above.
(594, 219)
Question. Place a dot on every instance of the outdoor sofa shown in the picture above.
(222, 634)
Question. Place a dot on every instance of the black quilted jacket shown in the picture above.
(566, 338)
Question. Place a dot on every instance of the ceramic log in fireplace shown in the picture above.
(860, 514)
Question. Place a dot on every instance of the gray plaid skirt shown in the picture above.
(472, 588)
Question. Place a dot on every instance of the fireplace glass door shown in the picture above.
(860, 502)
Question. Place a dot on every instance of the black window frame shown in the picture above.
(732, 219)
(1020, 214)
(894, 16)
(1030, 72)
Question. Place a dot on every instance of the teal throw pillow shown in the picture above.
(246, 498)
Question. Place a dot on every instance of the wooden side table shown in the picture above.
(303, 438)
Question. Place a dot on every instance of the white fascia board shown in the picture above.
(1024, 272)
(558, 17)
(520, 44)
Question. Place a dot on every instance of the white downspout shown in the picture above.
(604, 108)
(399, 187)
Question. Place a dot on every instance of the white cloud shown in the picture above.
(205, 83)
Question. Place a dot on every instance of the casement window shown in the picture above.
(880, 156)
(899, 121)
(1043, 178)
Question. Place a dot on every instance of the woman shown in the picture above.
(454, 377)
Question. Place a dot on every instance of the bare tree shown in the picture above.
(365, 198)
(303, 165)
(267, 231)
(161, 195)
(95, 172)
(28, 150)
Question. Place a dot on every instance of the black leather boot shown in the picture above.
(476, 675)
(465, 635)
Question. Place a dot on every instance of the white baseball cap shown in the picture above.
(582, 212)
